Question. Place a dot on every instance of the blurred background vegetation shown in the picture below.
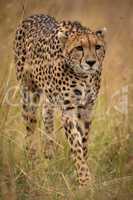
(111, 140)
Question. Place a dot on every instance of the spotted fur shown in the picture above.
(63, 62)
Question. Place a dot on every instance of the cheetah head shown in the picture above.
(83, 49)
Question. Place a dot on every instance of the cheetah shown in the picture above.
(61, 62)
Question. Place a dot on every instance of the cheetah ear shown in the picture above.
(64, 30)
(101, 32)
(62, 35)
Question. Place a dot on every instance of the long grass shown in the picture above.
(110, 143)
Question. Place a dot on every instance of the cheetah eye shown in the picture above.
(98, 46)
(79, 48)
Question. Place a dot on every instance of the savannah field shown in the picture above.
(111, 138)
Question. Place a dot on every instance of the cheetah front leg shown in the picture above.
(48, 119)
(73, 133)
(84, 123)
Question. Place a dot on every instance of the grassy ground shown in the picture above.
(111, 143)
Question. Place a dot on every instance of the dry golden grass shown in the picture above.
(111, 142)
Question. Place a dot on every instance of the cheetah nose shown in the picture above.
(90, 62)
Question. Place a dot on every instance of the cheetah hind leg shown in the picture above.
(30, 102)
(48, 119)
